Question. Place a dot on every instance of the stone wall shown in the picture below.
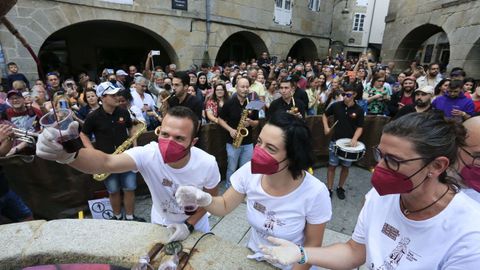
(119, 243)
(411, 22)
(181, 33)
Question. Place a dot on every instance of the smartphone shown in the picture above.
(153, 52)
(110, 71)
(274, 60)
(63, 104)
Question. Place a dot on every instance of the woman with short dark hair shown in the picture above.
(415, 217)
(282, 198)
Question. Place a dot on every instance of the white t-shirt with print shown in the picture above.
(285, 216)
(472, 193)
(162, 180)
(449, 240)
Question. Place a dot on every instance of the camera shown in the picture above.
(154, 52)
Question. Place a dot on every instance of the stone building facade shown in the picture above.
(78, 33)
(360, 29)
(410, 24)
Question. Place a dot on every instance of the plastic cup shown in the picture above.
(190, 206)
(61, 119)
(190, 209)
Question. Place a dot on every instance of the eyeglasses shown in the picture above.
(391, 162)
(475, 161)
(349, 95)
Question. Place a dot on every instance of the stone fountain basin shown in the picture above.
(118, 243)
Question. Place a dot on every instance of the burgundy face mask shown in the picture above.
(386, 181)
(471, 177)
(171, 150)
(263, 162)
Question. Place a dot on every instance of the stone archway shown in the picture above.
(93, 45)
(240, 46)
(472, 61)
(414, 47)
(303, 49)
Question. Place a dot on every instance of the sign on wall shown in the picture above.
(180, 4)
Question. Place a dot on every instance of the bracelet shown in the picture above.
(189, 226)
(304, 258)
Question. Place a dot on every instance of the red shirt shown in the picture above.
(477, 105)
(406, 100)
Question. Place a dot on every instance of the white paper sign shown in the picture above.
(101, 208)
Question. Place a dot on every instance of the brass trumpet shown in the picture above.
(24, 135)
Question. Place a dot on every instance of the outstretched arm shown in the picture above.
(219, 205)
(347, 255)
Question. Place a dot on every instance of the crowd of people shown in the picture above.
(425, 186)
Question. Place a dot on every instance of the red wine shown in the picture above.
(190, 209)
(70, 143)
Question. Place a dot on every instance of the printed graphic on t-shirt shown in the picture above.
(24, 121)
(390, 231)
(400, 253)
(170, 205)
(259, 207)
(271, 221)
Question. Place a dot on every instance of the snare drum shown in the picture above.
(344, 151)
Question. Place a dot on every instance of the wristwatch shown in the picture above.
(189, 226)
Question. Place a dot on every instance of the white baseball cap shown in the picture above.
(106, 88)
(121, 72)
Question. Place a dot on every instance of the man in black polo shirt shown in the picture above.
(110, 125)
(350, 125)
(288, 102)
(180, 83)
(229, 119)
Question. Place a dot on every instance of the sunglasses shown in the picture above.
(349, 95)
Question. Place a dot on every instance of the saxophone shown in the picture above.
(242, 131)
(124, 146)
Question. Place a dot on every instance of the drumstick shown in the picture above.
(334, 124)
(331, 128)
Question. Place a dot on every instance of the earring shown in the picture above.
(429, 174)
